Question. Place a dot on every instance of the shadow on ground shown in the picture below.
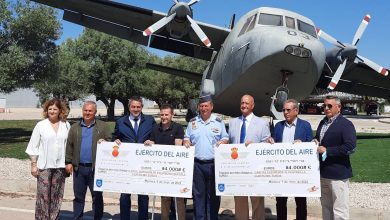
(226, 214)
(14, 135)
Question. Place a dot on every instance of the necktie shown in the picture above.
(136, 125)
(243, 130)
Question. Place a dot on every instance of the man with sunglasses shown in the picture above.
(336, 137)
(291, 130)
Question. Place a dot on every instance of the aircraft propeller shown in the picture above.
(179, 12)
(349, 52)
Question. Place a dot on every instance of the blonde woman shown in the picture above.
(47, 153)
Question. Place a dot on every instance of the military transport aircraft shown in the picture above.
(271, 53)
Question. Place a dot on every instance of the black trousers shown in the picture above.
(281, 208)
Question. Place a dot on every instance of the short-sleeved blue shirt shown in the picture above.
(204, 135)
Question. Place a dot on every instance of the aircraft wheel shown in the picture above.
(281, 97)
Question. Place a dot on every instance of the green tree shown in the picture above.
(165, 88)
(116, 67)
(69, 78)
(27, 43)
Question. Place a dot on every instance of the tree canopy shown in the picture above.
(94, 63)
(27, 43)
(114, 69)
(109, 68)
(165, 88)
(69, 78)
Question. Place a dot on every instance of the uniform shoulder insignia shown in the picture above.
(218, 119)
(193, 119)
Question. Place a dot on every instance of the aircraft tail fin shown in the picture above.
(232, 21)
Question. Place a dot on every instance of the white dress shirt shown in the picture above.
(247, 120)
(48, 145)
(289, 131)
(131, 119)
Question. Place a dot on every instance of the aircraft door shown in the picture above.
(238, 51)
(234, 66)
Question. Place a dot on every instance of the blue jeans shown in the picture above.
(125, 206)
(206, 202)
(83, 178)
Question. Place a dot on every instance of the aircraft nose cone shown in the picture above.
(182, 10)
(349, 52)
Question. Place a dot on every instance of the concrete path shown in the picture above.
(17, 202)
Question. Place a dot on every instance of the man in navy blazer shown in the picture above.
(248, 128)
(134, 128)
(291, 130)
(336, 136)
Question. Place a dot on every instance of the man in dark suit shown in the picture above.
(291, 130)
(336, 137)
(248, 128)
(134, 128)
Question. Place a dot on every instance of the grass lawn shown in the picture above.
(370, 162)
(14, 137)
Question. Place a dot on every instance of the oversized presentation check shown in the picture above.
(162, 170)
(279, 169)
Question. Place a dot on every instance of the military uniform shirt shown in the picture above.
(204, 136)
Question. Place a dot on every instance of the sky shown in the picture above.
(339, 18)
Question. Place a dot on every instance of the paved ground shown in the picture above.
(21, 207)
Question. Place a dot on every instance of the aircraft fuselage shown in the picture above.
(256, 53)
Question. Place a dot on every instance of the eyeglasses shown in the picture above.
(286, 110)
(329, 106)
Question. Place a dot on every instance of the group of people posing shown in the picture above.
(57, 150)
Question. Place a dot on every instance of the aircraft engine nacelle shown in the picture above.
(179, 22)
(181, 10)
(179, 26)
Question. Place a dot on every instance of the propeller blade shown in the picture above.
(202, 36)
(193, 2)
(159, 24)
(175, 1)
(329, 38)
(374, 66)
(361, 29)
(336, 77)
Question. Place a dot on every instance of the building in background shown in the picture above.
(3, 102)
(27, 98)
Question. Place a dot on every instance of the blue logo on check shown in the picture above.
(221, 187)
(99, 182)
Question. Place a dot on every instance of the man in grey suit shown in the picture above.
(248, 129)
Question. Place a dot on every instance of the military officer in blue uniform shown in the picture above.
(206, 131)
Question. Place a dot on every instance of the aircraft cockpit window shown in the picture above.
(290, 22)
(249, 24)
(269, 19)
(307, 28)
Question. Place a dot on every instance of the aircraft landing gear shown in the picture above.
(192, 109)
(280, 97)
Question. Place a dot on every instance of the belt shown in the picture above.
(85, 164)
(204, 161)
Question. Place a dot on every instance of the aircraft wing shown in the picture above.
(128, 22)
(359, 79)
